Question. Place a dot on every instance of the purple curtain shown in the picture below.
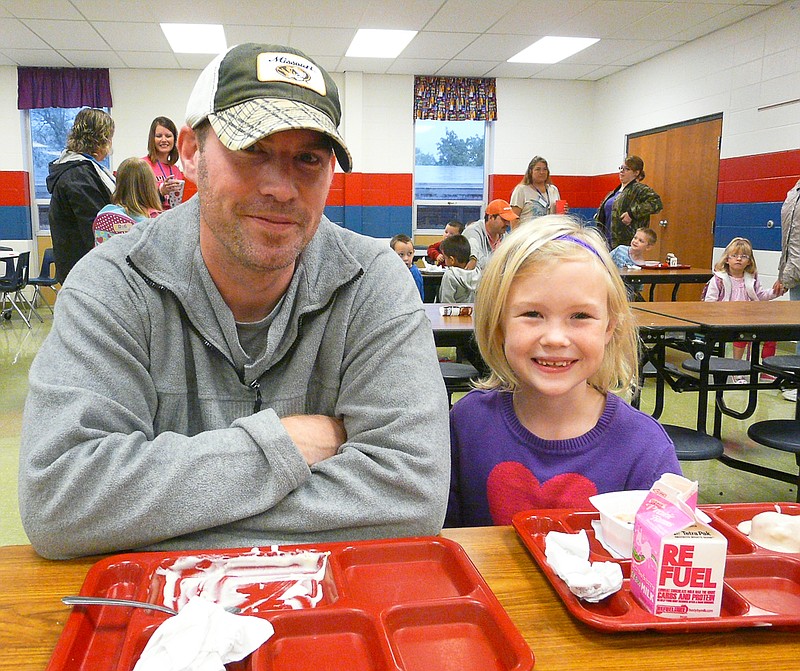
(62, 87)
(455, 99)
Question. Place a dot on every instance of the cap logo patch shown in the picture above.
(291, 69)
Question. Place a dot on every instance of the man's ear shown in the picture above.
(189, 151)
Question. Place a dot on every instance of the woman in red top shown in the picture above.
(162, 155)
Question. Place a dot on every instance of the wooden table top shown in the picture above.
(32, 617)
(746, 314)
(667, 275)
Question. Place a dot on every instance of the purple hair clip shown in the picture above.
(580, 242)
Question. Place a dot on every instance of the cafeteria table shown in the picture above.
(674, 276)
(32, 617)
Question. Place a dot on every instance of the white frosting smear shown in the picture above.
(254, 581)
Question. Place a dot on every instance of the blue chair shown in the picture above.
(47, 278)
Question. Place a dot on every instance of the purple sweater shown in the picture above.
(500, 468)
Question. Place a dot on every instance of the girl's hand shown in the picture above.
(625, 218)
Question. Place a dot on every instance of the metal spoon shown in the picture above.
(107, 601)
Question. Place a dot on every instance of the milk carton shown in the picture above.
(678, 562)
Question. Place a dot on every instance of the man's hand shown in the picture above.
(316, 436)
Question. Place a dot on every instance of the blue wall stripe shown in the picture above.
(749, 220)
(376, 221)
(15, 222)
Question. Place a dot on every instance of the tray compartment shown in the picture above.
(450, 635)
(727, 518)
(119, 580)
(770, 583)
(402, 572)
(333, 640)
(254, 587)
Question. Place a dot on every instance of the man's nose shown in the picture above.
(276, 179)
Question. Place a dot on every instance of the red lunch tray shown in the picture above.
(388, 605)
(762, 587)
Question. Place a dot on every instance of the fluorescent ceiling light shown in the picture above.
(195, 38)
(552, 49)
(373, 43)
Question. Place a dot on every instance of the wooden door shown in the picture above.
(682, 164)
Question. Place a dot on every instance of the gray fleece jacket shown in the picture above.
(147, 426)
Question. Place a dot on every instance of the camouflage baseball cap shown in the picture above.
(254, 90)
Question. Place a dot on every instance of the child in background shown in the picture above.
(404, 248)
(643, 241)
(736, 279)
(458, 283)
(135, 199)
(553, 323)
(434, 256)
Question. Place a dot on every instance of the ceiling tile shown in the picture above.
(416, 66)
(457, 68)
(68, 34)
(321, 41)
(148, 60)
(43, 9)
(93, 59)
(239, 34)
(36, 58)
(438, 45)
(133, 36)
(469, 16)
(15, 35)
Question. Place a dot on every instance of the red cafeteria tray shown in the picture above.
(388, 605)
(762, 587)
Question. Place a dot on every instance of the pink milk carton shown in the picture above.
(678, 562)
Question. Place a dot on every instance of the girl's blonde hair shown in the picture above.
(532, 246)
(738, 246)
(136, 188)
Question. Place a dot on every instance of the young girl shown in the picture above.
(736, 279)
(553, 323)
(135, 199)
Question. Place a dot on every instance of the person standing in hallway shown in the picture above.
(535, 196)
(162, 157)
(629, 206)
(79, 188)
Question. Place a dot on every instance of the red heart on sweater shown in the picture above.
(511, 487)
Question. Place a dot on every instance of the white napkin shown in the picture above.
(203, 636)
(568, 556)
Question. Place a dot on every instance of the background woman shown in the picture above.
(535, 196)
(162, 156)
(629, 206)
(79, 187)
(135, 199)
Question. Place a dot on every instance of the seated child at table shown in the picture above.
(544, 430)
(404, 248)
(458, 283)
(434, 255)
(643, 241)
(736, 279)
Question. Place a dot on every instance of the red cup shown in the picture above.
(562, 206)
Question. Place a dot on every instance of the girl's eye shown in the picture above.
(582, 315)
(532, 314)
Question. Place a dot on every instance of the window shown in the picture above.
(48, 136)
(449, 172)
